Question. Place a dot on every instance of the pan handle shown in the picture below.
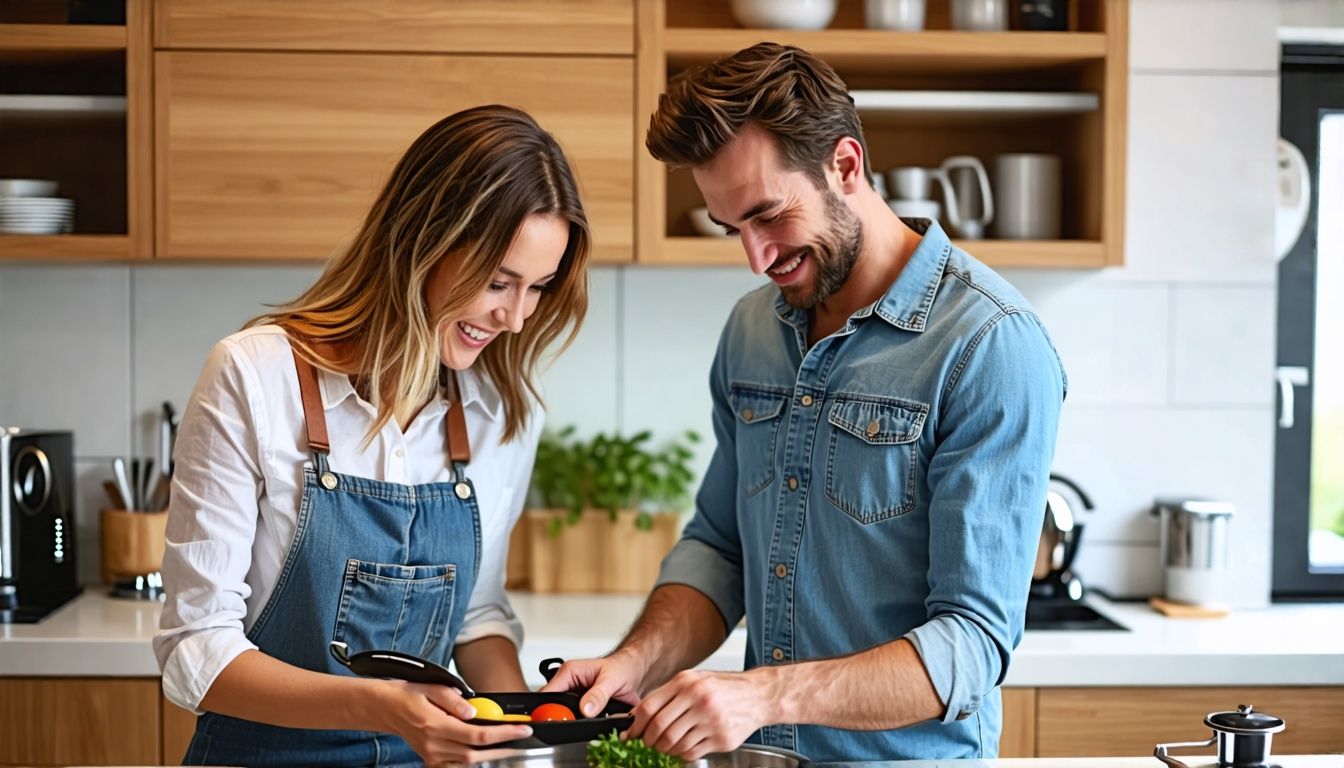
(1160, 751)
(548, 667)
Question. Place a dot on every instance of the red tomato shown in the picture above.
(551, 712)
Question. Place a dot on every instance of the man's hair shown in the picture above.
(794, 96)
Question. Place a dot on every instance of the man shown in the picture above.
(886, 417)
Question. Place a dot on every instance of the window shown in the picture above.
(1309, 446)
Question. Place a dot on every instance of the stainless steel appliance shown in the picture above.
(1053, 576)
(1194, 550)
(37, 523)
(1243, 737)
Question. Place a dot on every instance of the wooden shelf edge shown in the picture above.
(62, 37)
(64, 248)
(1014, 254)
(933, 48)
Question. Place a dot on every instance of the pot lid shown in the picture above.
(1244, 720)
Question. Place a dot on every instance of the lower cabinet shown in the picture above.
(50, 721)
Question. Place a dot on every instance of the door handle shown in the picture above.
(1289, 376)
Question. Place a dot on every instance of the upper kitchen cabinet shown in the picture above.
(268, 155)
(588, 27)
(74, 131)
(926, 96)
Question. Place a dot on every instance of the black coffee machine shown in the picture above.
(37, 523)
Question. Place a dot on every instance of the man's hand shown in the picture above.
(617, 676)
(697, 712)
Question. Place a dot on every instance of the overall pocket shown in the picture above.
(396, 607)
(757, 410)
(871, 460)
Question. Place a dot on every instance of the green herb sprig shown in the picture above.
(611, 751)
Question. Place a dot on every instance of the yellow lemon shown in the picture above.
(486, 709)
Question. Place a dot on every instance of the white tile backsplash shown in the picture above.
(65, 353)
(1222, 345)
(1199, 197)
(1204, 35)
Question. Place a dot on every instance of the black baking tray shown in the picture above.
(403, 666)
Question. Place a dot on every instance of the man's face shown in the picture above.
(803, 238)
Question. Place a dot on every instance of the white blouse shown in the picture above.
(238, 481)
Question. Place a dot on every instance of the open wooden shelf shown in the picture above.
(49, 248)
(1059, 254)
(62, 37)
(870, 49)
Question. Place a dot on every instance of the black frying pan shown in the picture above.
(404, 666)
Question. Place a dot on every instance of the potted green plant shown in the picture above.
(604, 511)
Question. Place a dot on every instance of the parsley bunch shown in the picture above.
(611, 752)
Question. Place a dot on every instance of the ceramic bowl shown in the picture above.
(784, 14)
(704, 225)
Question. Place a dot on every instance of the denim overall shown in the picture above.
(373, 564)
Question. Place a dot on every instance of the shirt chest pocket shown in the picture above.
(758, 412)
(872, 457)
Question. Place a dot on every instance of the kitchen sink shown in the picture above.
(1066, 614)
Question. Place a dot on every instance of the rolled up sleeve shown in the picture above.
(987, 478)
(708, 558)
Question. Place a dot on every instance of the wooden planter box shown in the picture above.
(595, 555)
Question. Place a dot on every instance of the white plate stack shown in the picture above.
(27, 208)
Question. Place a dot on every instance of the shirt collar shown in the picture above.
(476, 391)
(909, 298)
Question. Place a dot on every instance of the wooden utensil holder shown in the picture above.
(133, 543)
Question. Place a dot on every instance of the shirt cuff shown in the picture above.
(195, 662)
(954, 654)
(510, 628)
(697, 565)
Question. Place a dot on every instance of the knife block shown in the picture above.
(133, 544)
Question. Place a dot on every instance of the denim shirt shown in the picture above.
(889, 482)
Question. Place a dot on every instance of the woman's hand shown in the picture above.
(431, 719)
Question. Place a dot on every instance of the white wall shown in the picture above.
(1169, 358)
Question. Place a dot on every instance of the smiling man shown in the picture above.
(885, 415)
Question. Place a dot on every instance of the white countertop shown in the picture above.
(1294, 644)
(1283, 761)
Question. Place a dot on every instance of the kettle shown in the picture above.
(1052, 577)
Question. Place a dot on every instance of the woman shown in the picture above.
(350, 465)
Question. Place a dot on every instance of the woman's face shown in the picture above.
(509, 299)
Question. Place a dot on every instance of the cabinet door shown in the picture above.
(179, 725)
(274, 155)
(461, 26)
(1018, 738)
(79, 721)
(1115, 722)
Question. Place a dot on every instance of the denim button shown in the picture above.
(874, 428)
(747, 413)
(781, 570)
(806, 400)
(328, 481)
(777, 655)
(793, 483)
(463, 491)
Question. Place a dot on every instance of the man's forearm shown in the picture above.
(490, 664)
(878, 689)
(678, 629)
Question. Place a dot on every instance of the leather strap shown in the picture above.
(314, 415)
(455, 428)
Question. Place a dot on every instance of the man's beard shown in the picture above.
(834, 252)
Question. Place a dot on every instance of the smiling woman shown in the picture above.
(350, 465)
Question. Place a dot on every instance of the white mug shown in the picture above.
(916, 209)
(1027, 196)
(905, 15)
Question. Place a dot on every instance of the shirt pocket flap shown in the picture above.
(878, 423)
(753, 405)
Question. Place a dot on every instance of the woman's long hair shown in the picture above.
(461, 192)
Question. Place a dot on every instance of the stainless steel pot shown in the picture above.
(576, 756)
(1243, 739)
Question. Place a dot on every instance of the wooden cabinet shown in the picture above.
(589, 27)
(79, 721)
(1113, 722)
(1018, 737)
(1091, 59)
(75, 109)
(178, 726)
(279, 155)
